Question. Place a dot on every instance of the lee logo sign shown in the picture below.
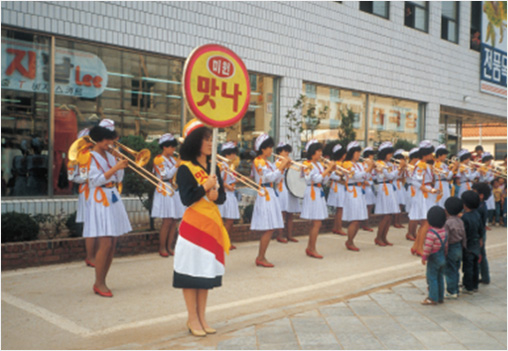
(26, 67)
(216, 85)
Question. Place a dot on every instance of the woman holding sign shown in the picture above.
(203, 239)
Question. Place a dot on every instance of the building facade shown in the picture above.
(405, 70)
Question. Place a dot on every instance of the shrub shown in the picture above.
(18, 227)
(75, 229)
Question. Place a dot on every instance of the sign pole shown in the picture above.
(215, 132)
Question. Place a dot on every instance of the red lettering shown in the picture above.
(17, 65)
(97, 81)
(88, 80)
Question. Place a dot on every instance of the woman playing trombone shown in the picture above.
(443, 175)
(400, 193)
(336, 194)
(465, 173)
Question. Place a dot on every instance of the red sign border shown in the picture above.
(189, 64)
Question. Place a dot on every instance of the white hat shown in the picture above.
(486, 155)
(463, 152)
(425, 144)
(385, 145)
(228, 145)
(166, 137)
(352, 145)
(398, 152)
(368, 148)
(413, 151)
(309, 143)
(336, 148)
(441, 147)
(281, 144)
(83, 132)
(259, 140)
(191, 126)
(108, 124)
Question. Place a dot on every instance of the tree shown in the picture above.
(346, 131)
(294, 123)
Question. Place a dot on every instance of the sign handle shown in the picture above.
(215, 132)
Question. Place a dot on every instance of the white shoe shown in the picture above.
(451, 296)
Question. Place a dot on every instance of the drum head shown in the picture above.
(295, 183)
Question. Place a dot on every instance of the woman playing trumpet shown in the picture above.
(414, 157)
(464, 172)
(370, 196)
(399, 159)
(336, 194)
(314, 202)
(443, 175)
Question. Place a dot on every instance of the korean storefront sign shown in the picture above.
(385, 116)
(493, 48)
(216, 85)
(26, 67)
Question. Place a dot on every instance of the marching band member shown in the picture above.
(443, 175)
(387, 203)
(229, 209)
(414, 157)
(399, 186)
(465, 173)
(314, 202)
(166, 206)
(106, 218)
(203, 240)
(78, 173)
(422, 178)
(267, 214)
(370, 196)
(487, 176)
(355, 208)
(336, 194)
(289, 204)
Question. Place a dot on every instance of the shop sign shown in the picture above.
(26, 67)
(493, 48)
(394, 118)
(216, 85)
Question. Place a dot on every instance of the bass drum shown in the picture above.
(295, 183)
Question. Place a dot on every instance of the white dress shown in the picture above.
(400, 191)
(229, 209)
(106, 215)
(420, 203)
(488, 178)
(267, 214)
(314, 201)
(80, 176)
(166, 205)
(443, 182)
(288, 202)
(370, 195)
(466, 176)
(336, 194)
(386, 199)
(409, 189)
(355, 206)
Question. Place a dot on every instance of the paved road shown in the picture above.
(54, 307)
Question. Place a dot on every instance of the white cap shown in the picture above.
(385, 145)
(259, 140)
(108, 124)
(441, 147)
(166, 137)
(463, 152)
(368, 148)
(227, 145)
(83, 132)
(282, 144)
(398, 152)
(336, 148)
(425, 144)
(486, 155)
(413, 151)
(309, 143)
(352, 145)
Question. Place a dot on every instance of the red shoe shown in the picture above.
(264, 264)
(163, 254)
(352, 247)
(413, 252)
(410, 237)
(282, 240)
(232, 247)
(102, 293)
(380, 243)
(368, 229)
(293, 240)
(88, 263)
(388, 243)
(312, 254)
(171, 252)
(398, 226)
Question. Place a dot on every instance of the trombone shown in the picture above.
(340, 170)
(240, 177)
(297, 166)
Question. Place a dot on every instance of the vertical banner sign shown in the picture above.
(493, 48)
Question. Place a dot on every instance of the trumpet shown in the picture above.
(340, 170)
(297, 166)
(241, 178)
(408, 165)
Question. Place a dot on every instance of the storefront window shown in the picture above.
(393, 119)
(25, 114)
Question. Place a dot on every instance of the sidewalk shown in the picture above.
(318, 303)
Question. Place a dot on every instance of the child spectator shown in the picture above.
(434, 253)
(484, 192)
(454, 227)
(456, 187)
(471, 254)
(497, 192)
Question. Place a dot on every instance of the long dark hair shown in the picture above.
(351, 152)
(191, 147)
(99, 134)
(265, 144)
(313, 149)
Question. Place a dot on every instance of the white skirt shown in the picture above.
(229, 209)
(336, 199)
(370, 197)
(400, 193)
(464, 187)
(106, 221)
(314, 209)
(491, 203)
(386, 204)
(355, 208)
(82, 208)
(446, 193)
(288, 202)
(419, 206)
(267, 214)
(166, 206)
